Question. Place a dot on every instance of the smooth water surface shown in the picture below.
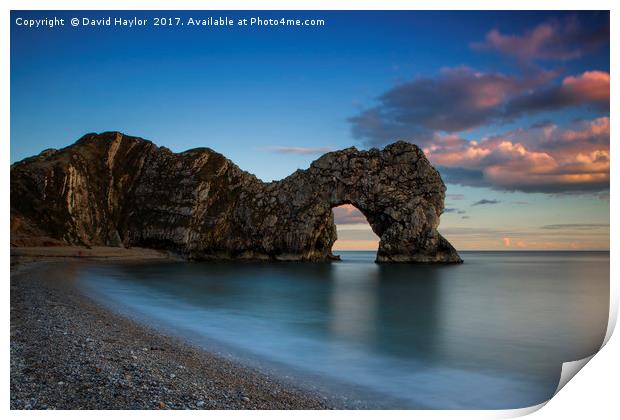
(490, 333)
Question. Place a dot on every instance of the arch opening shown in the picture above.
(353, 230)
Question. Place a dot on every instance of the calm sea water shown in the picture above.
(490, 333)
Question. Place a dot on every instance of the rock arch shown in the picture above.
(396, 188)
(111, 189)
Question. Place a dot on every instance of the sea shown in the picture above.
(491, 333)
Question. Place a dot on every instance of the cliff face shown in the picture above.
(115, 190)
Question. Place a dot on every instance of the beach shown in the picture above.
(104, 328)
(67, 352)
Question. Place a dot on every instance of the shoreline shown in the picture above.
(68, 352)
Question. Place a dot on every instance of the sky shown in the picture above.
(511, 107)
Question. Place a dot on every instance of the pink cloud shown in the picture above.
(462, 99)
(591, 129)
(590, 88)
(457, 99)
(591, 85)
(567, 159)
(529, 45)
(552, 40)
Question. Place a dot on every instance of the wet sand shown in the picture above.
(67, 352)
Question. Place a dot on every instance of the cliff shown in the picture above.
(115, 190)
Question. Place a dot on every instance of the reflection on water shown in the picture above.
(490, 333)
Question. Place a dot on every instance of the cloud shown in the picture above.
(348, 214)
(455, 197)
(561, 40)
(579, 136)
(594, 132)
(484, 201)
(461, 99)
(300, 150)
(542, 158)
(458, 99)
(592, 85)
(590, 88)
(576, 226)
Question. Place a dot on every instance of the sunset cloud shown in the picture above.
(552, 40)
(593, 85)
(458, 99)
(461, 99)
(538, 159)
(590, 88)
(594, 132)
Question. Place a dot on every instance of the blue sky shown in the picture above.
(273, 98)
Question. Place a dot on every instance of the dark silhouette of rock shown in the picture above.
(116, 190)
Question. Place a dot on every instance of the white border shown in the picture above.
(593, 394)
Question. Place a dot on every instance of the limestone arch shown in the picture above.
(379, 220)
(397, 190)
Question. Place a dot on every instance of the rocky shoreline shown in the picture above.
(67, 352)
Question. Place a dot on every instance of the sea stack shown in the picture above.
(110, 189)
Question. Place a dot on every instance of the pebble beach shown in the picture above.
(67, 352)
